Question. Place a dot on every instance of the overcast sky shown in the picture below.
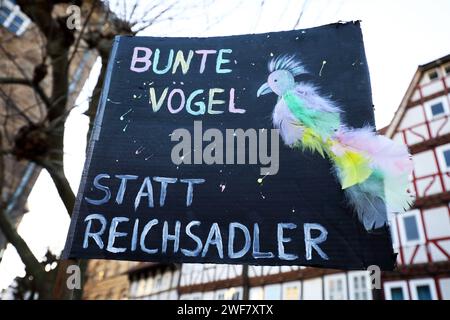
(399, 35)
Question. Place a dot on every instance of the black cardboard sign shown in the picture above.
(145, 196)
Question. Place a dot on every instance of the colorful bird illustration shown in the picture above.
(372, 169)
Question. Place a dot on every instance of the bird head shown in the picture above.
(282, 70)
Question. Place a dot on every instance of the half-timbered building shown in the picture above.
(421, 236)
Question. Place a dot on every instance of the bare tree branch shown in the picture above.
(80, 36)
(31, 84)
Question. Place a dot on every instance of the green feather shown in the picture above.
(324, 124)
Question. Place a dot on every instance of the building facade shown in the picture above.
(154, 281)
(107, 280)
(422, 235)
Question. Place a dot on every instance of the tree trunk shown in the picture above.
(62, 185)
(33, 267)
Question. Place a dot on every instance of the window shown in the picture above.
(256, 293)
(411, 230)
(12, 18)
(272, 292)
(437, 109)
(15, 25)
(359, 285)
(423, 292)
(312, 289)
(446, 155)
(433, 75)
(423, 289)
(447, 69)
(4, 13)
(397, 293)
(443, 153)
(291, 290)
(335, 287)
(220, 295)
(234, 293)
(396, 290)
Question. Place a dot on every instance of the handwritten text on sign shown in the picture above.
(185, 164)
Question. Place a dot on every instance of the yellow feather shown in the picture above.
(313, 142)
(354, 168)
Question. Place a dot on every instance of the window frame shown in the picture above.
(288, 285)
(433, 71)
(445, 67)
(14, 12)
(433, 102)
(334, 277)
(231, 292)
(351, 288)
(388, 286)
(441, 158)
(420, 282)
(420, 231)
(256, 293)
(275, 287)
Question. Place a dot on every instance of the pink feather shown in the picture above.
(313, 100)
(291, 131)
(385, 154)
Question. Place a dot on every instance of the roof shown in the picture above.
(389, 132)
(435, 63)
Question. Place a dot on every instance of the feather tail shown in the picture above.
(368, 202)
(386, 155)
(353, 167)
(376, 196)
(390, 161)
(397, 196)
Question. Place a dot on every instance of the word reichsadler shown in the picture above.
(155, 237)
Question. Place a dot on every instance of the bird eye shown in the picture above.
(275, 80)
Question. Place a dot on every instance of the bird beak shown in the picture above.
(264, 89)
